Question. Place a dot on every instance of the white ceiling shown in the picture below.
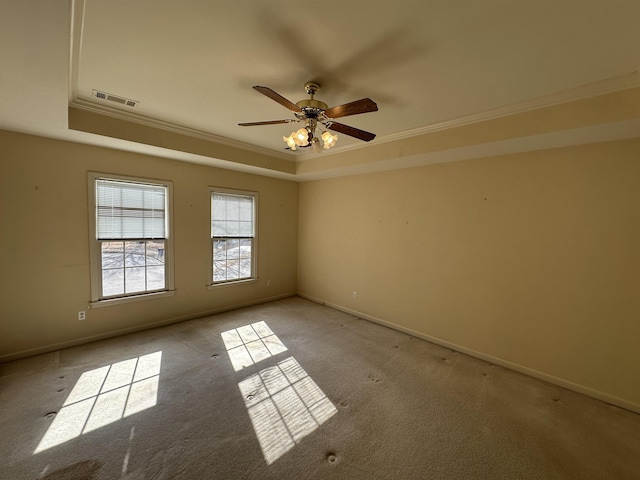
(192, 63)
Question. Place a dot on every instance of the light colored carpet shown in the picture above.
(327, 396)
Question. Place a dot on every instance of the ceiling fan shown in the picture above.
(316, 114)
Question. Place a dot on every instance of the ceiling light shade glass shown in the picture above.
(291, 143)
(302, 137)
(329, 140)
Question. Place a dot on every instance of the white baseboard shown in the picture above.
(116, 333)
(631, 406)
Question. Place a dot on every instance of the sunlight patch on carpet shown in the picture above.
(251, 344)
(285, 405)
(103, 396)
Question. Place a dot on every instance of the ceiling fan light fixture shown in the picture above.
(301, 137)
(329, 140)
(314, 114)
(291, 143)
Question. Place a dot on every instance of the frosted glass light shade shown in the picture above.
(329, 140)
(291, 143)
(302, 137)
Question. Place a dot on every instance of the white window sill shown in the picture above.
(231, 283)
(133, 298)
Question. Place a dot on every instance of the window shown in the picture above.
(130, 244)
(233, 227)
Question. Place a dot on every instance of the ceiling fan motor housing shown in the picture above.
(311, 106)
(312, 103)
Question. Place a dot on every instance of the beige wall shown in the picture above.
(44, 242)
(532, 260)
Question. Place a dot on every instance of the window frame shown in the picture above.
(254, 249)
(97, 299)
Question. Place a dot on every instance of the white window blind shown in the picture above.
(128, 210)
(232, 215)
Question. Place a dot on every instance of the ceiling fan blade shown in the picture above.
(270, 122)
(278, 98)
(351, 131)
(364, 105)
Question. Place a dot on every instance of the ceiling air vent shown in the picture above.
(115, 98)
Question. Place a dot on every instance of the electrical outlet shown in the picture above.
(81, 315)
(354, 294)
(268, 283)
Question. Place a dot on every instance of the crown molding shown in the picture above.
(175, 128)
(594, 89)
(608, 132)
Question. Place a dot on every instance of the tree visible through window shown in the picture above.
(232, 236)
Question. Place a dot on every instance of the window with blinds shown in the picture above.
(131, 233)
(233, 236)
(130, 210)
